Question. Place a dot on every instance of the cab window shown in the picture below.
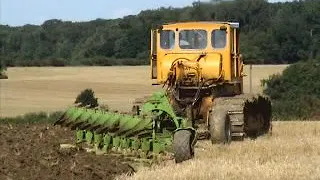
(193, 39)
(167, 39)
(219, 39)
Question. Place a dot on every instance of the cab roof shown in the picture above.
(200, 24)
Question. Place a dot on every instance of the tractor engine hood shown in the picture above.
(191, 69)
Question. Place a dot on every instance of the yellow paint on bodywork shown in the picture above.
(212, 63)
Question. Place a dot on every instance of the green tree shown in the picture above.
(270, 33)
(87, 98)
(295, 93)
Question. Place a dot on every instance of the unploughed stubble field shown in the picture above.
(292, 152)
(50, 89)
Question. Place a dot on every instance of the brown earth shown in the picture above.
(33, 152)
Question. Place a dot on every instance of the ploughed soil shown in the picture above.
(33, 152)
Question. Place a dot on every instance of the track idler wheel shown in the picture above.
(182, 145)
(219, 126)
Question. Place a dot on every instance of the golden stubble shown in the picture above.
(36, 89)
(291, 152)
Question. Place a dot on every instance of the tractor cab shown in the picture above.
(207, 50)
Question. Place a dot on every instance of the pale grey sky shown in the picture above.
(20, 12)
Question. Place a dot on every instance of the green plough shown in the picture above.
(149, 132)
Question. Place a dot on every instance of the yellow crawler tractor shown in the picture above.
(199, 65)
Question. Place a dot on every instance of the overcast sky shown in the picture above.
(20, 12)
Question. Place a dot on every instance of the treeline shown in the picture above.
(296, 92)
(270, 33)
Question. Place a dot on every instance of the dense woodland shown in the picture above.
(270, 33)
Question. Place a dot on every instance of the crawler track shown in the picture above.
(250, 115)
